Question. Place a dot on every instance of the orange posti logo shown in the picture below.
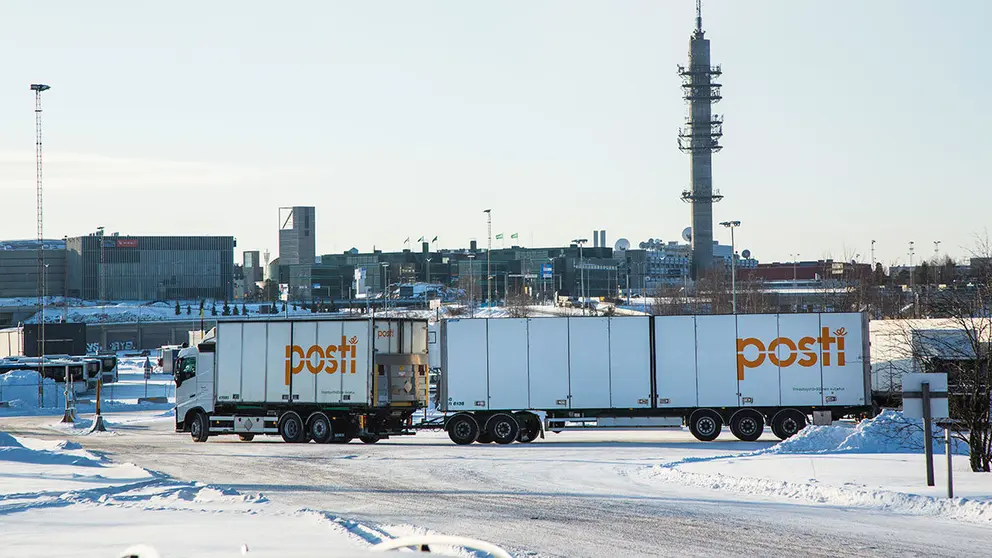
(320, 358)
(801, 352)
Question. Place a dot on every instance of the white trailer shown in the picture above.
(325, 380)
(502, 376)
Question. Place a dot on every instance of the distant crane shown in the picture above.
(38, 88)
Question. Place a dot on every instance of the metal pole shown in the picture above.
(927, 433)
(489, 250)
(733, 270)
(950, 464)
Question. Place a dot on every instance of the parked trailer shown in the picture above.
(325, 380)
(501, 377)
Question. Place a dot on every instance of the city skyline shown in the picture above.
(559, 118)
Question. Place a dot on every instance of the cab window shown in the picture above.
(186, 370)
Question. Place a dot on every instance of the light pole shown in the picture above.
(873, 255)
(489, 250)
(795, 259)
(733, 261)
(582, 280)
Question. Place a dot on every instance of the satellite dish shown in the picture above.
(687, 234)
(622, 244)
(746, 254)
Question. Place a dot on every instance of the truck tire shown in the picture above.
(503, 428)
(199, 427)
(747, 425)
(320, 428)
(705, 424)
(246, 437)
(787, 423)
(369, 438)
(484, 438)
(291, 428)
(463, 429)
(530, 427)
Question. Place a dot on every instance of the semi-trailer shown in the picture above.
(511, 379)
(327, 380)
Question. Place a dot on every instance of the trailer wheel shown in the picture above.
(320, 428)
(246, 437)
(484, 438)
(369, 438)
(463, 429)
(503, 428)
(747, 425)
(199, 427)
(705, 424)
(291, 428)
(787, 423)
(530, 427)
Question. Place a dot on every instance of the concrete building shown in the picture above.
(297, 243)
(251, 264)
(150, 267)
(19, 268)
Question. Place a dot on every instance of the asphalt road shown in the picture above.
(574, 494)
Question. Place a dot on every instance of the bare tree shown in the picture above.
(518, 306)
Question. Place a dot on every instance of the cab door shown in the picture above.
(186, 390)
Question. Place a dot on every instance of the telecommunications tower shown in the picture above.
(700, 138)
(38, 88)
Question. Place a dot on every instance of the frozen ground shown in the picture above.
(583, 493)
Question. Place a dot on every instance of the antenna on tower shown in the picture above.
(38, 88)
(699, 16)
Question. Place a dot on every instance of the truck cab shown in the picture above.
(193, 374)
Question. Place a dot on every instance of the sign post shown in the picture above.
(925, 396)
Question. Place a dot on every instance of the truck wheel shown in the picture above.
(747, 425)
(463, 429)
(291, 428)
(705, 424)
(503, 428)
(246, 437)
(530, 427)
(199, 427)
(787, 423)
(369, 438)
(484, 438)
(320, 428)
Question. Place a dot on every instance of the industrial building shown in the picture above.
(117, 267)
(19, 268)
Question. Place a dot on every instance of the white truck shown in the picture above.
(510, 379)
(327, 380)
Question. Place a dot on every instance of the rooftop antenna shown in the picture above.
(38, 88)
(699, 17)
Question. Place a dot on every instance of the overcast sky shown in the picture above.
(846, 121)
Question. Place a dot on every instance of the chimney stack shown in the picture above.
(473, 245)
(595, 239)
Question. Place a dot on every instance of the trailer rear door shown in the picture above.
(716, 362)
(843, 359)
(675, 360)
(548, 359)
(630, 362)
(508, 363)
(589, 363)
(465, 365)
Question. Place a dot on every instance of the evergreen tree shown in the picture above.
(294, 307)
(244, 309)
(227, 309)
(236, 311)
(202, 303)
(213, 309)
(188, 310)
(284, 306)
(178, 309)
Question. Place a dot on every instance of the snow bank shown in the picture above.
(962, 509)
(889, 432)
(8, 441)
(20, 389)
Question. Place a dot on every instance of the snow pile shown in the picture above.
(8, 441)
(889, 432)
(962, 509)
(20, 389)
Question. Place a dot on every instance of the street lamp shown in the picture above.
(733, 261)
(582, 281)
(795, 259)
(385, 285)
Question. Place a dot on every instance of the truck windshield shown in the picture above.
(187, 369)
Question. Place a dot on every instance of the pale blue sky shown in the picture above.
(845, 121)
